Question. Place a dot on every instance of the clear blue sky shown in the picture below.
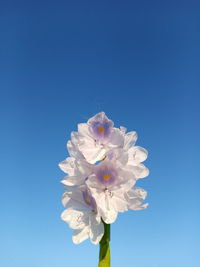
(60, 63)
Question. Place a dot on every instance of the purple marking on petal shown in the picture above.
(100, 127)
(89, 200)
(106, 174)
(110, 155)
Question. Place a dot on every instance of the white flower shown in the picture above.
(95, 138)
(102, 170)
(109, 183)
(81, 215)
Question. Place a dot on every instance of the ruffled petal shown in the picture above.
(91, 151)
(123, 129)
(75, 219)
(127, 178)
(96, 229)
(73, 180)
(116, 138)
(73, 199)
(94, 154)
(83, 168)
(140, 171)
(119, 203)
(98, 117)
(130, 139)
(80, 235)
(68, 165)
(94, 185)
(83, 129)
(74, 150)
(136, 155)
(135, 198)
(118, 154)
(78, 171)
(109, 216)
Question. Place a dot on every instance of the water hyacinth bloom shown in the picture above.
(95, 138)
(100, 128)
(110, 182)
(102, 171)
(81, 215)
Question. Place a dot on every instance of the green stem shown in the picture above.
(104, 253)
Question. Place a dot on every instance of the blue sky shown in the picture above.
(60, 63)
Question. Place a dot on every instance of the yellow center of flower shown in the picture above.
(106, 177)
(101, 130)
(87, 200)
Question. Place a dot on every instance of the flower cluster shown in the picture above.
(102, 170)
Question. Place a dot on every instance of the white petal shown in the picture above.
(135, 198)
(118, 154)
(80, 235)
(101, 116)
(126, 179)
(119, 203)
(116, 139)
(123, 129)
(103, 204)
(138, 206)
(109, 216)
(67, 165)
(94, 185)
(73, 180)
(140, 171)
(75, 137)
(130, 140)
(96, 229)
(84, 168)
(79, 170)
(75, 219)
(73, 198)
(74, 151)
(137, 154)
(83, 129)
(92, 152)
(137, 192)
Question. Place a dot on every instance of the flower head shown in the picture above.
(102, 170)
(109, 183)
